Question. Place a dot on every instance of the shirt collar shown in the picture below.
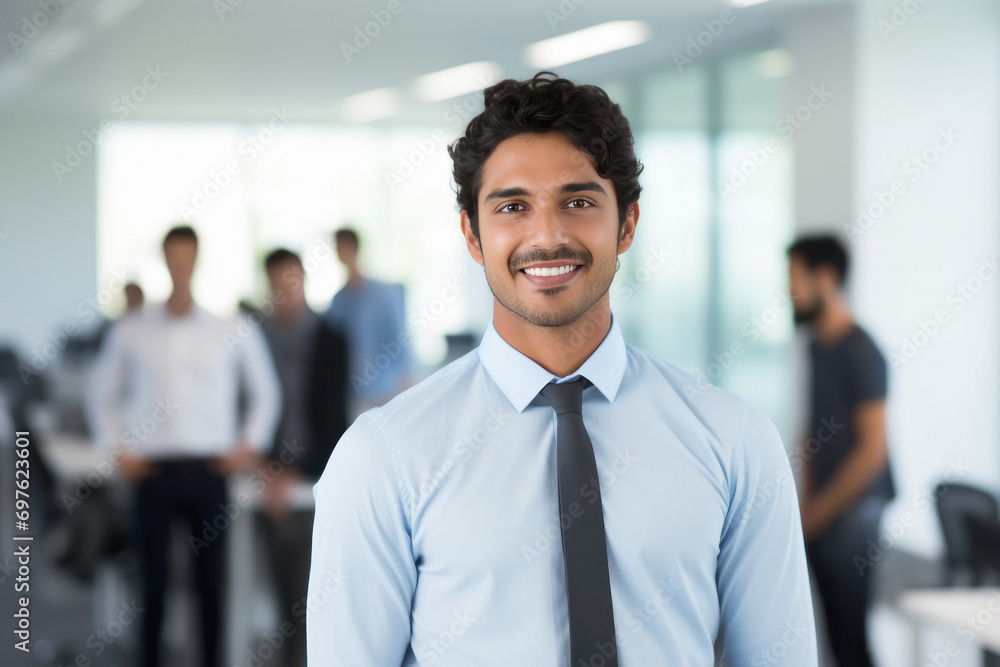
(160, 311)
(520, 378)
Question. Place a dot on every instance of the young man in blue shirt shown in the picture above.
(442, 516)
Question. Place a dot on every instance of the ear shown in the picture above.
(627, 235)
(475, 249)
(827, 278)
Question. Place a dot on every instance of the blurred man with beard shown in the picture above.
(846, 482)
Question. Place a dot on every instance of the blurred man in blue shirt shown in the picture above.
(442, 516)
(371, 314)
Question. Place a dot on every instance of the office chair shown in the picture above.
(964, 546)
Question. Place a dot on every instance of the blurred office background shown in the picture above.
(266, 124)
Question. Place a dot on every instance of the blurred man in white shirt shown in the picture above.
(182, 368)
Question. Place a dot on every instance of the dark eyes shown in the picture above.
(518, 208)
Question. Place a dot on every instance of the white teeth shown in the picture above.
(550, 271)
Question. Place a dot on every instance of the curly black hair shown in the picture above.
(546, 103)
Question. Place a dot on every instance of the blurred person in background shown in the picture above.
(134, 297)
(371, 314)
(312, 364)
(89, 345)
(181, 437)
(846, 480)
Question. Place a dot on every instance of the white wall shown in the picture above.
(821, 43)
(936, 76)
(938, 73)
(48, 254)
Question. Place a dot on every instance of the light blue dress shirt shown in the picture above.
(437, 541)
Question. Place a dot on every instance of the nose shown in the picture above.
(548, 228)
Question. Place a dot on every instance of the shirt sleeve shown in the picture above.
(263, 392)
(363, 574)
(106, 379)
(763, 581)
(868, 373)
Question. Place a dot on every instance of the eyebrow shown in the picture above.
(583, 187)
(503, 193)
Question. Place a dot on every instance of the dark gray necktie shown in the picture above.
(585, 548)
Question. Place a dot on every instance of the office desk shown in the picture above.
(972, 614)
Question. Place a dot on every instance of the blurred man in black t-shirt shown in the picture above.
(846, 482)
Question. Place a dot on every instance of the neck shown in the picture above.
(180, 302)
(834, 322)
(559, 350)
(354, 276)
(288, 318)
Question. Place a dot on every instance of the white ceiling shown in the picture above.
(262, 55)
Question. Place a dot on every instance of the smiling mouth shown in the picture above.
(550, 270)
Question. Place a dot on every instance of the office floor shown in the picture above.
(64, 634)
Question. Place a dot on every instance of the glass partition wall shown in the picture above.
(703, 286)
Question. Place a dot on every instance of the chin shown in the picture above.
(803, 317)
